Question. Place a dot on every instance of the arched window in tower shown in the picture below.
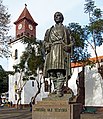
(16, 54)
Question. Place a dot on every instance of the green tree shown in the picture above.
(33, 54)
(94, 30)
(80, 53)
(90, 34)
(4, 28)
(3, 80)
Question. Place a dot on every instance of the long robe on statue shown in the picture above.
(55, 42)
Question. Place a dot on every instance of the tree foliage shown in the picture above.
(3, 80)
(80, 47)
(95, 27)
(4, 28)
(88, 35)
(31, 59)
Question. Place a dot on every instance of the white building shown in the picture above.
(25, 27)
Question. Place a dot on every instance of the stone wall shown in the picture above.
(56, 110)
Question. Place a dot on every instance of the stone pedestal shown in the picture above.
(56, 109)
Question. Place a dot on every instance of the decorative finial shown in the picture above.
(25, 5)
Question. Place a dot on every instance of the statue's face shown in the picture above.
(58, 17)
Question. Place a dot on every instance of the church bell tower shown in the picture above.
(25, 25)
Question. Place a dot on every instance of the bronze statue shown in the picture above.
(57, 44)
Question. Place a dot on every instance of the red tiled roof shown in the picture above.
(25, 14)
(77, 64)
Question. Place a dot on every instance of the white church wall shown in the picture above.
(20, 47)
(13, 78)
(12, 89)
(13, 96)
(72, 81)
(93, 87)
(28, 91)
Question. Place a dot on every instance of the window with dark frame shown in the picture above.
(15, 97)
(16, 54)
(32, 83)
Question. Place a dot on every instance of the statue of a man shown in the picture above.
(57, 44)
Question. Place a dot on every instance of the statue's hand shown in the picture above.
(67, 49)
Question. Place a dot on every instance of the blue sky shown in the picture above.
(43, 11)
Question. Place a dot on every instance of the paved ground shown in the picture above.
(92, 116)
(11, 113)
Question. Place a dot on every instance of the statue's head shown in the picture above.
(58, 17)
